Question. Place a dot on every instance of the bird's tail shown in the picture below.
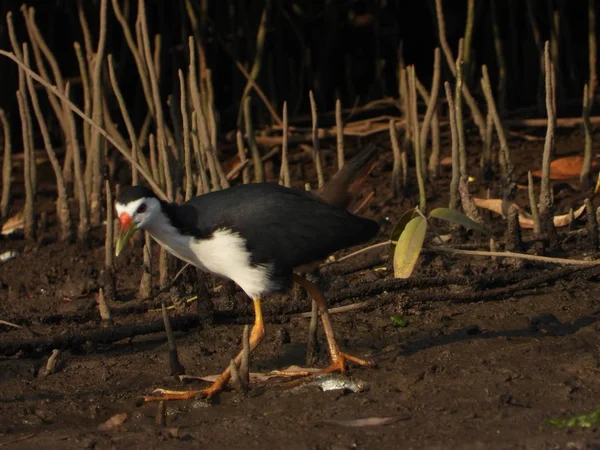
(344, 186)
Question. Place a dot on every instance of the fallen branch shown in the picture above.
(479, 284)
(503, 292)
(78, 338)
(546, 259)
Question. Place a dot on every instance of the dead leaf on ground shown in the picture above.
(525, 220)
(114, 422)
(446, 161)
(565, 168)
(13, 224)
(367, 422)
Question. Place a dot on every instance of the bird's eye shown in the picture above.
(141, 209)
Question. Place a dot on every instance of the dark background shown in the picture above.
(345, 49)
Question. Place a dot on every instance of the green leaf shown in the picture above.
(409, 247)
(585, 420)
(398, 321)
(452, 215)
(399, 228)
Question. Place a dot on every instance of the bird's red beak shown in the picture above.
(128, 227)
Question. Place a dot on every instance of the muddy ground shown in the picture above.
(483, 361)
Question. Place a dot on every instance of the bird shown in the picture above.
(256, 235)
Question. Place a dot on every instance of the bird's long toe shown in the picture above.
(339, 363)
(169, 395)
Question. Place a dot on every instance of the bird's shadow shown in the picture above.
(541, 326)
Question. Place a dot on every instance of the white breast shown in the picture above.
(223, 254)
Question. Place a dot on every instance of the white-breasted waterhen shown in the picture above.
(255, 235)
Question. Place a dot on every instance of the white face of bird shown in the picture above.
(133, 216)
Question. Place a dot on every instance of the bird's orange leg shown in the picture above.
(338, 358)
(256, 335)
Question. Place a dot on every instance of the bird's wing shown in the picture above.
(279, 225)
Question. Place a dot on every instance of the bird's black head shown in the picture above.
(137, 207)
(135, 193)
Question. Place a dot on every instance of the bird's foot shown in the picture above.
(338, 365)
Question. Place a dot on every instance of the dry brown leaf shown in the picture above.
(525, 220)
(114, 422)
(565, 168)
(446, 161)
(368, 422)
(14, 223)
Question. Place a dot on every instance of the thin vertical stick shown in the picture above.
(555, 40)
(109, 254)
(174, 365)
(83, 226)
(416, 141)
(87, 100)
(212, 128)
(137, 56)
(145, 289)
(546, 200)
(585, 176)
(203, 185)
(315, 139)
(284, 176)
(259, 174)
(96, 138)
(533, 205)
(39, 47)
(103, 308)
(312, 345)
(462, 152)
(29, 136)
(161, 135)
(28, 214)
(455, 158)
(136, 153)
(499, 59)
(87, 35)
(166, 167)
(592, 51)
(210, 108)
(175, 141)
(187, 153)
(486, 157)
(62, 202)
(339, 130)
(163, 267)
(397, 169)
(433, 98)
(434, 157)
(6, 166)
(201, 126)
(239, 139)
(505, 161)
(155, 162)
(468, 37)
(475, 111)
(406, 143)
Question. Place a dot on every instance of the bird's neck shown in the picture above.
(161, 227)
